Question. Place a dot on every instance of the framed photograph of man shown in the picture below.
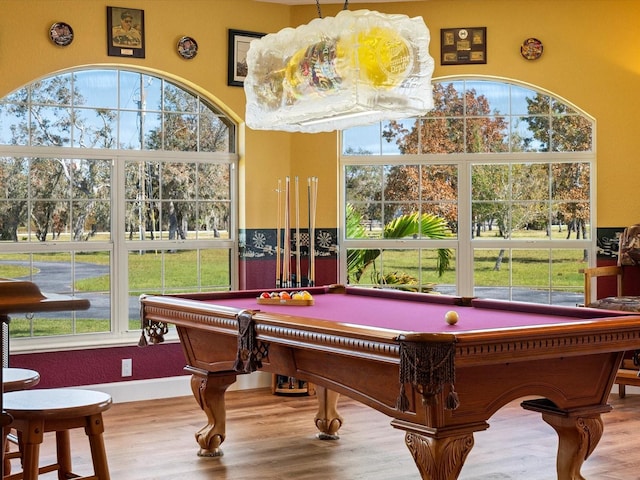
(125, 32)
(239, 41)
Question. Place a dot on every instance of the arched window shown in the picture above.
(499, 176)
(114, 183)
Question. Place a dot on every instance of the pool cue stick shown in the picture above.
(297, 277)
(286, 240)
(315, 208)
(310, 249)
(278, 241)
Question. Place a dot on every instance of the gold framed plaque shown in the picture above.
(460, 46)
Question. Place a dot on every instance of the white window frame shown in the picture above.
(464, 245)
(118, 246)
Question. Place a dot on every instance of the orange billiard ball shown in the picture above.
(451, 317)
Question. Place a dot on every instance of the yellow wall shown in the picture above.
(591, 59)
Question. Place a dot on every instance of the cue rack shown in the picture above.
(289, 272)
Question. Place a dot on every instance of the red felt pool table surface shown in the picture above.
(414, 312)
(394, 352)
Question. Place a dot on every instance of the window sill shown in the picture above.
(19, 346)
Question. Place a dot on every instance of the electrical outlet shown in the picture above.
(126, 367)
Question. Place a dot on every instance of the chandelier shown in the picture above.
(356, 68)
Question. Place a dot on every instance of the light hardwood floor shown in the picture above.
(272, 437)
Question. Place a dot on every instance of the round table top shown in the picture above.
(14, 379)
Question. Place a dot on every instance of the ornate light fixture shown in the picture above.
(356, 68)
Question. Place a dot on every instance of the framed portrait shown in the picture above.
(125, 32)
(239, 41)
(460, 46)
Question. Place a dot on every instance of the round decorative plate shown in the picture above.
(61, 34)
(531, 49)
(187, 47)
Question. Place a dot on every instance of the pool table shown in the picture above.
(394, 352)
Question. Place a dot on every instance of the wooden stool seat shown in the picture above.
(14, 379)
(36, 412)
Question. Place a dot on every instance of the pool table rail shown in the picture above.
(527, 343)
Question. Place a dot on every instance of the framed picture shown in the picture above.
(239, 41)
(125, 32)
(459, 46)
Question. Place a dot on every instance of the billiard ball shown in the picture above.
(451, 317)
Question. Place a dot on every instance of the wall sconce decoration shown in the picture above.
(356, 68)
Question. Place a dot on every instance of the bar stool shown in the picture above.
(14, 379)
(18, 379)
(59, 410)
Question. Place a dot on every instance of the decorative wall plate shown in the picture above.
(187, 47)
(61, 34)
(531, 48)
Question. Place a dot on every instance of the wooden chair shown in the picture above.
(622, 300)
(58, 410)
(626, 274)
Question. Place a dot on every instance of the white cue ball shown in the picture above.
(451, 317)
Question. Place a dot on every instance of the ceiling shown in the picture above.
(322, 2)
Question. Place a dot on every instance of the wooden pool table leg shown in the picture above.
(579, 431)
(328, 420)
(578, 437)
(209, 390)
(438, 455)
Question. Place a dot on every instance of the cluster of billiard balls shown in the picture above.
(451, 317)
(301, 295)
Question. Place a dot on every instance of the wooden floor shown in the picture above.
(273, 437)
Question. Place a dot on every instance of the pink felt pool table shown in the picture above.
(394, 352)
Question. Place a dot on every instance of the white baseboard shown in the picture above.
(630, 390)
(138, 390)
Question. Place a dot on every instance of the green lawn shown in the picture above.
(526, 268)
(532, 268)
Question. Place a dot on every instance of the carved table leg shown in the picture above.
(439, 453)
(577, 438)
(328, 420)
(439, 458)
(209, 390)
(579, 431)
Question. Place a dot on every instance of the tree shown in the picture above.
(13, 203)
(169, 191)
(571, 133)
(509, 197)
(46, 114)
(432, 189)
(443, 131)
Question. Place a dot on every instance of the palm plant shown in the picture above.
(408, 225)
